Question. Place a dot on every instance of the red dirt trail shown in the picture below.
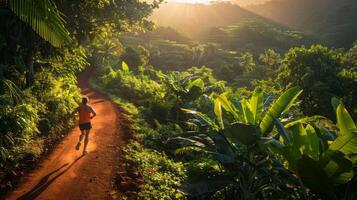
(65, 173)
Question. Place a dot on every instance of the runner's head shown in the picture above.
(85, 100)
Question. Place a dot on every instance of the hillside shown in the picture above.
(334, 21)
(193, 19)
(255, 36)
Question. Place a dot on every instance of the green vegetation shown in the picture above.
(237, 109)
(33, 117)
(331, 22)
(208, 131)
(41, 54)
(255, 36)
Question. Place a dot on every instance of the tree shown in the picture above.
(84, 18)
(136, 57)
(246, 62)
(44, 18)
(350, 58)
(209, 53)
(315, 70)
(197, 53)
(270, 58)
(349, 77)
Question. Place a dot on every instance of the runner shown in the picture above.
(86, 113)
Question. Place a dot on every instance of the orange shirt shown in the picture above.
(84, 114)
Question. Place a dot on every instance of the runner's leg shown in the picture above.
(81, 136)
(86, 140)
(80, 139)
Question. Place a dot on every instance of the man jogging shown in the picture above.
(86, 113)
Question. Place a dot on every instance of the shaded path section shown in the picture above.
(65, 173)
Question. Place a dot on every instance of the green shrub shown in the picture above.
(60, 96)
(18, 126)
(156, 138)
(162, 175)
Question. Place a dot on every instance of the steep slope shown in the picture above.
(334, 21)
(192, 19)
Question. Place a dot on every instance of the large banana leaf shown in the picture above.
(237, 113)
(202, 118)
(301, 141)
(339, 168)
(304, 120)
(347, 144)
(218, 112)
(312, 175)
(222, 145)
(344, 120)
(281, 105)
(283, 132)
(256, 104)
(242, 133)
(323, 178)
(347, 140)
(43, 17)
(312, 142)
(247, 112)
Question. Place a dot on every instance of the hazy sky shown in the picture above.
(240, 2)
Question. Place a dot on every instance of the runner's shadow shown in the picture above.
(45, 182)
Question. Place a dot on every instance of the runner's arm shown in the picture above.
(92, 111)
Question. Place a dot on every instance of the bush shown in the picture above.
(18, 127)
(162, 175)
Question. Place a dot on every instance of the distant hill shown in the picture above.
(164, 33)
(334, 20)
(255, 36)
(227, 24)
(193, 19)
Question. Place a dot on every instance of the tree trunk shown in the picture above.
(29, 59)
(29, 64)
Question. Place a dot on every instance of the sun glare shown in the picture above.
(194, 1)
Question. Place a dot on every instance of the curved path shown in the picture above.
(65, 173)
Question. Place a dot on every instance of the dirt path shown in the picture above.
(65, 173)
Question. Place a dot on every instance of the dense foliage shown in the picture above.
(34, 117)
(243, 112)
(210, 131)
(41, 54)
(255, 36)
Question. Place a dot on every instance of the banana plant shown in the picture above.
(185, 88)
(245, 127)
(320, 159)
(249, 126)
(320, 168)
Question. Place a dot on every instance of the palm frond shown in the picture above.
(43, 17)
